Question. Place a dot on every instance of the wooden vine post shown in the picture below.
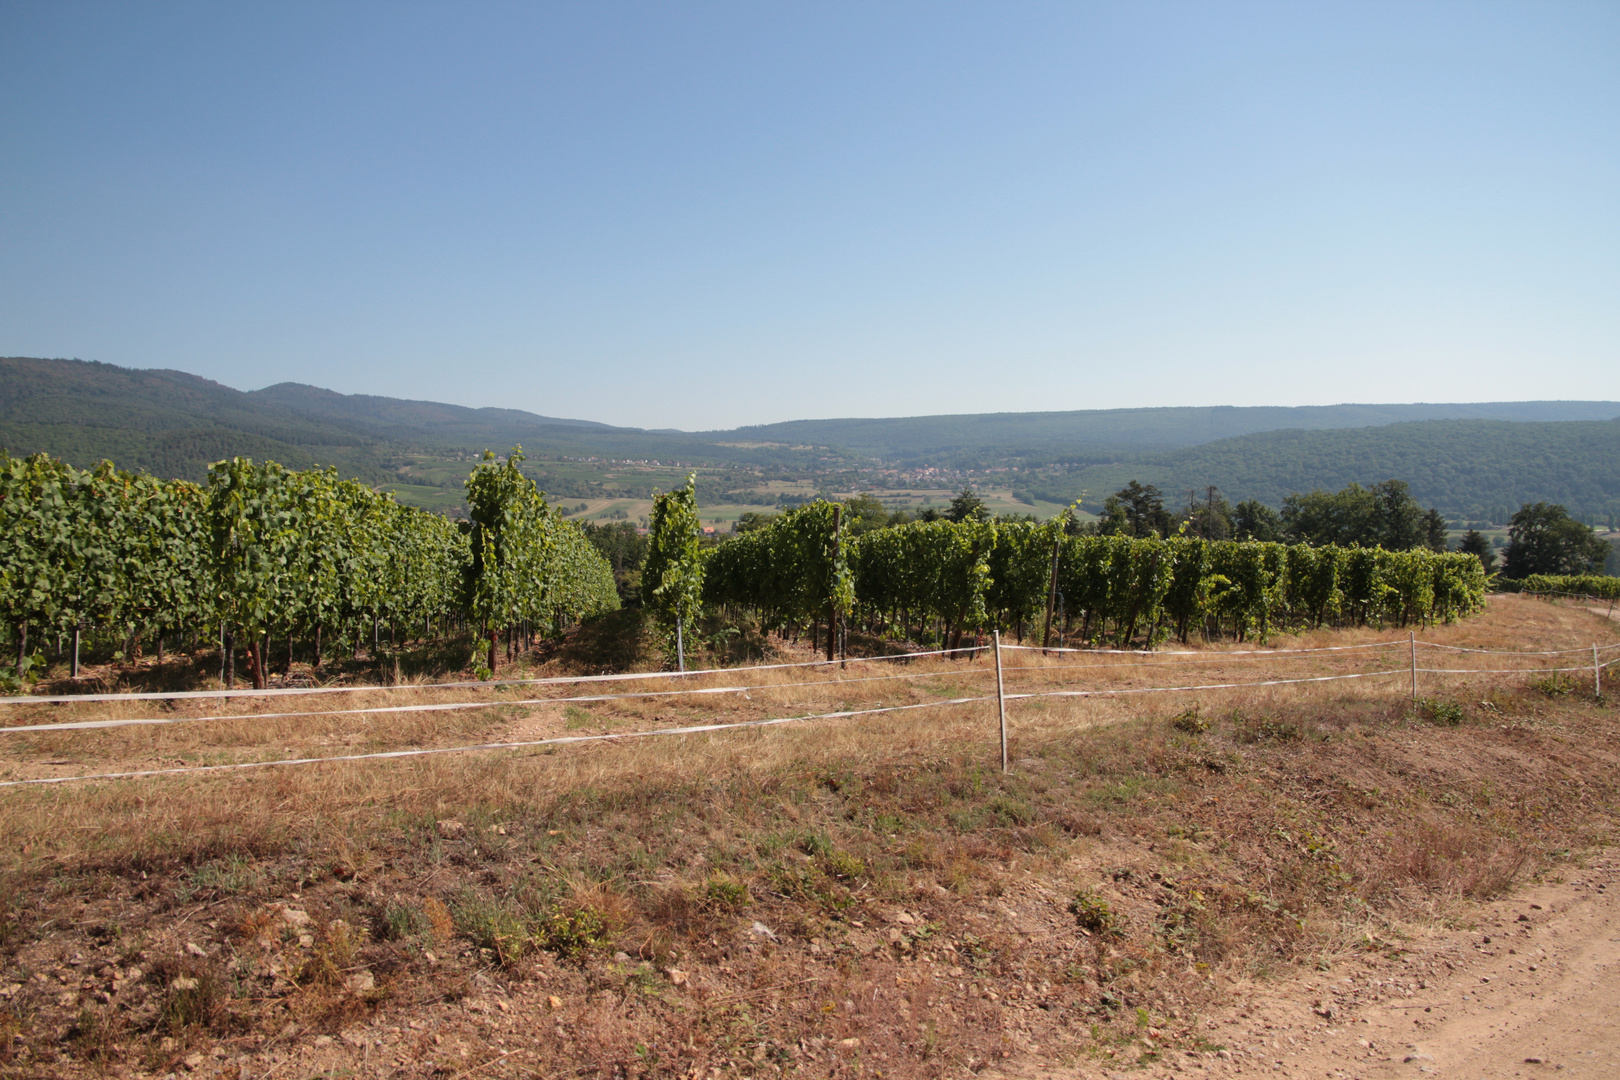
(832, 600)
(1051, 594)
(1001, 701)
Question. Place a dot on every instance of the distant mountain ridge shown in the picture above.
(1052, 435)
(1461, 457)
(1467, 468)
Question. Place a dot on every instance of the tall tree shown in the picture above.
(1475, 543)
(1384, 515)
(1544, 539)
(1135, 510)
(1434, 530)
(1208, 515)
(1254, 520)
(863, 513)
(1398, 523)
(967, 506)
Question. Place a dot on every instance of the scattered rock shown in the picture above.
(183, 982)
(323, 1040)
(450, 827)
(764, 931)
(677, 977)
(361, 982)
(1418, 1057)
(295, 916)
(849, 1044)
(194, 1061)
(195, 950)
(621, 958)
(1535, 1061)
(553, 1002)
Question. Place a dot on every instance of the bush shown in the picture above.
(1192, 721)
(1440, 713)
(1092, 913)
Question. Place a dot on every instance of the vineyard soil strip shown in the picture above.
(1205, 686)
(1514, 671)
(149, 721)
(1132, 667)
(558, 680)
(557, 741)
(701, 728)
(1515, 652)
(1206, 652)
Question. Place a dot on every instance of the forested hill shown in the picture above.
(1464, 465)
(1105, 434)
(1465, 459)
(168, 423)
(173, 424)
(1466, 468)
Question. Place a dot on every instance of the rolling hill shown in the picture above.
(1467, 468)
(1467, 459)
(1105, 434)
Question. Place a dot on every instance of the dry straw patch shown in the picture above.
(912, 897)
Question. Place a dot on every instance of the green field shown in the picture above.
(622, 491)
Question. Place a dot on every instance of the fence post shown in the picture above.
(1001, 701)
(1597, 674)
(680, 646)
(1411, 638)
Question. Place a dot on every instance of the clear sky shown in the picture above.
(703, 215)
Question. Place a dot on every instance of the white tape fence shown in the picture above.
(1001, 696)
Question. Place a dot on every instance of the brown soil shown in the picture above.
(1149, 887)
(1523, 986)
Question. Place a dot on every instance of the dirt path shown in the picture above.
(1529, 987)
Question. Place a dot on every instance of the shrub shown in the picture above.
(1190, 720)
(1092, 913)
(1553, 686)
(726, 891)
(1439, 712)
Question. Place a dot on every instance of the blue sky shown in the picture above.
(706, 215)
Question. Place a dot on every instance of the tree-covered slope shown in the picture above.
(1466, 468)
(168, 423)
(1107, 433)
(1468, 460)
(173, 425)
(1458, 465)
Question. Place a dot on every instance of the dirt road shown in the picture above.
(1527, 986)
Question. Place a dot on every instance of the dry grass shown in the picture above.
(915, 898)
